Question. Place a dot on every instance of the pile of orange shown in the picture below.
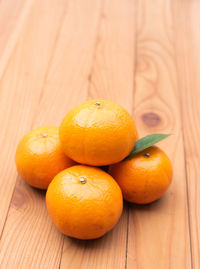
(84, 201)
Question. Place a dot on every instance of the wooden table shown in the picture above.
(142, 54)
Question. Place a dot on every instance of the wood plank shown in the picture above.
(159, 232)
(187, 42)
(21, 86)
(111, 78)
(11, 23)
(54, 55)
(12, 18)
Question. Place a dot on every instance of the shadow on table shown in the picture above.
(85, 243)
(91, 244)
(154, 206)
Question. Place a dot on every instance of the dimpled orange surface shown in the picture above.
(143, 55)
(98, 132)
(39, 156)
(145, 177)
(84, 202)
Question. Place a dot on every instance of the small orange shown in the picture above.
(84, 202)
(98, 132)
(39, 156)
(145, 177)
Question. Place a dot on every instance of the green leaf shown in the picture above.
(146, 142)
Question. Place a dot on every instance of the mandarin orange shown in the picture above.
(98, 132)
(84, 202)
(39, 156)
(145, 177)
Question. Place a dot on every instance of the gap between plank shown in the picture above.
(50, 61)
(61, 251)
(184, 152)
(133, 108)
(8, 210)
(184, 157)
(13, 41)
(127, 230)
(95, 48)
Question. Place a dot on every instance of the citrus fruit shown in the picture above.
(98, 132)
(39, 156)
(145, 177)
(84, 202)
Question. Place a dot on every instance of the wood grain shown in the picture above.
(19, 95)
(142, 54)
(111, 71)
(159, 233)
(11, 22)
(29, 239)
(188, 65)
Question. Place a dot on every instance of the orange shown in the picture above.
(145, 177)
(39, 156)
(98, 132)
(84, 202)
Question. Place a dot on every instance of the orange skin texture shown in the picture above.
(98, 134)
(143, 179)
(39, 157)
(84, 211)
